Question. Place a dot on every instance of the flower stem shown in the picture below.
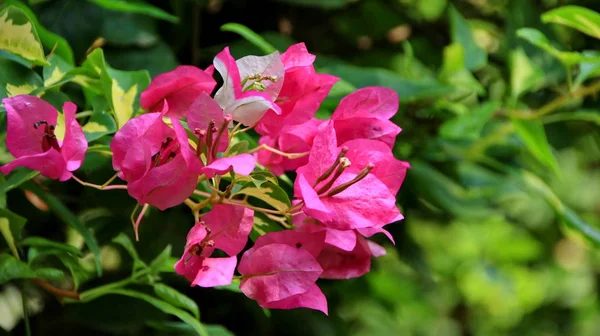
(278, 152)
(105, 186)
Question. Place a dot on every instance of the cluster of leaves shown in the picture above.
(499, 123)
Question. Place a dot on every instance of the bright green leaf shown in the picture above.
(16, 223)
(538, 39)
(250, 36)
(163, 262)
(123, 240)
(16, 79)
(534, 137)
(13, 269)
(136, 6)
(524, 74)
(583, 19)
(177, 299)
(43, 243)
(592, 116)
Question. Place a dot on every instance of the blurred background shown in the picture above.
(502, 203)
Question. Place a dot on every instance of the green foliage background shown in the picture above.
(500, 123)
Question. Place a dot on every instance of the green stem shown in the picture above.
(25, 311)
(97, 292)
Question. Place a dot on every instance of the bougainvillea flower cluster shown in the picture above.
(191, 146)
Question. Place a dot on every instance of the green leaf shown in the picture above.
(44, 243)
(16, 79)
(136, 6)
(163, 262)
(568, 216)
(583, 19)
(534, 137)
(326, 4)
(440, 191)
(258, 178)
(469, 126)
(50, 40)
(475, 57)
(408, 90)
(16, 178)
(8, 236)
(269, 193)
(123, 240)
(250, 36)
(15, 269)
(454, 72)
(56, 73)
(101, 122)
(592, 116)
(19, 36)
(263, 225)
(524, 74)
(165, 308)
(538, 39)
(588, 69)
(240, 147)
(16, 223)
(177, 299)
(68, 217)
(121, 88)
(78, 272)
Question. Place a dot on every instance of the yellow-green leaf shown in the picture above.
(123, 102)
(269, 193)
(585, 20)
(18, 36)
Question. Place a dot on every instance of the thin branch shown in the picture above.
(62, 293)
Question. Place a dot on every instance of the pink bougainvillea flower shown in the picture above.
(281, 269)
(196, 266)
(341, 264)
(365, 114)
(225, 227)
(204, 114)
(229, 227)
(342, 239)
(341, 196)
(179, 88)
(156, 160)
(302, 92)
(249, 85)
(291, 139)
(31, 138)
(242, 164)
